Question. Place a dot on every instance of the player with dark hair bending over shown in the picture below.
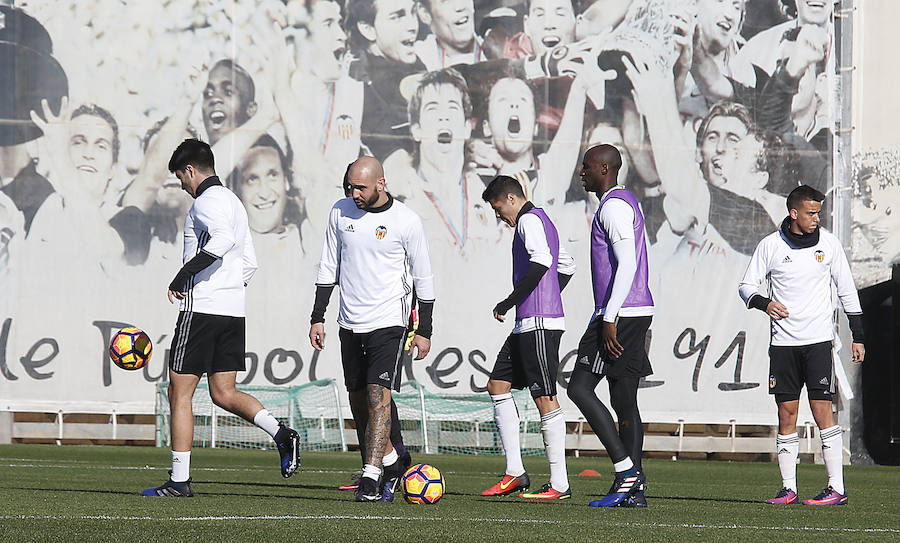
(210, 336)
(530, 355)
(614, 343)
(376, 250)
(800, 261)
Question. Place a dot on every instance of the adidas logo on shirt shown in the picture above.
(787, 258)
(348, 228)
(384, 376)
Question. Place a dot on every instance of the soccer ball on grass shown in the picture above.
(423, 484)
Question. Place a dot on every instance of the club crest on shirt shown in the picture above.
(820, 255)
(345, 126)
(380, 232)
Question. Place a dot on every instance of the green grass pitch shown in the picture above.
(86, 494)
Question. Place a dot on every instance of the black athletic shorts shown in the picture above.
(530, 359)
(206, 343)
(631, 332)
(372, 357)
(792, 367)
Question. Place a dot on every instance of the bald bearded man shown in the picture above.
(376, 251)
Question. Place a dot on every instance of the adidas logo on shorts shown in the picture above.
(535, 386)
(824, 381)
(384, 376)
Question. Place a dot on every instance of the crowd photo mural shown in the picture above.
(718, 107)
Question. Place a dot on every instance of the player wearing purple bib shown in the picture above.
(530, 355)
(614, 343)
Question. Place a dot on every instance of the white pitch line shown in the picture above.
(75, 464)
(452, 519)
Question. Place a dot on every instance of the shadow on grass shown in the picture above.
(201, 493)
(578, 499)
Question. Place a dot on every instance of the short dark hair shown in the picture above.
(359, 11)
(194, 152)
(97, 111)
(803, 193)
(500, 186)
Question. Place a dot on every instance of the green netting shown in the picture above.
(312, 409)
(462, 423)
(452, 423)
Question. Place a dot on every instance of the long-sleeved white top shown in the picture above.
(801, 279)
(375, 258)
(217, 224)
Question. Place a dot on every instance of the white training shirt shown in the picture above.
(217, 224)
(531, 229)
(375, 258)
(801, 280)
(617, 220)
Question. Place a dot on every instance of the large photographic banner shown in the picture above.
(718, 108)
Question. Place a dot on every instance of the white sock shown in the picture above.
(553, 428)
(788, 448)
(267, 422)
(833, 453)
(507, 418)
(390, 458)
(181, 466)
(623, 465)
(372, 472)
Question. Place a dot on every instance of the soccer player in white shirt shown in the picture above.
(800, 262)
(210, 336)
(375, 249)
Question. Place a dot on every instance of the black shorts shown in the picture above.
(372, 358)
(790, 367)
(206, 343)
(631, 332)
(530, 359)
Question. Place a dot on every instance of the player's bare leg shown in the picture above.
(553, 428)
(378, 432)
(224, 394)
(181, 391)
(378, 428)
